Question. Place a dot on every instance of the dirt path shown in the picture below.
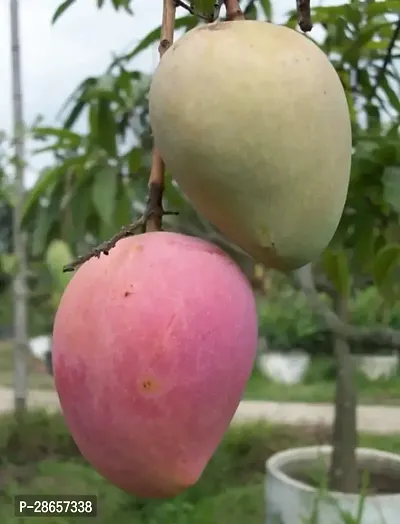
(371, 419)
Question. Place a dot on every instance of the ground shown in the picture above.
(40, 457)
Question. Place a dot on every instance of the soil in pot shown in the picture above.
(372, 481)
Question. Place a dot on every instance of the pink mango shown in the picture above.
(153, 346)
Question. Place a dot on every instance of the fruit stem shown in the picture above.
(233, 11)
(304, 15)
(157, 173)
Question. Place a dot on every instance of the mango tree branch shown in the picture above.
(157, 174)
(377, 336)
(189, 8)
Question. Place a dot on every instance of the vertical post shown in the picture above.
(20, 288)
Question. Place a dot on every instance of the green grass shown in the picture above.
(318, 387)
(39, 457)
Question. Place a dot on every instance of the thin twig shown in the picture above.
(387, 59)
(189, 8)
(153, 209)
(157, 174)
(304, 15)
(151, 220)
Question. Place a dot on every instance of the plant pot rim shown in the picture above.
(274, 463)
(392, 355)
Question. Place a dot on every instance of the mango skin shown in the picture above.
(153, 346)
(252, 121)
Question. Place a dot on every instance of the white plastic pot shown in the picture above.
(289, 501)
(285, 368)
(375, 367)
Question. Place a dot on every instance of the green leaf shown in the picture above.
(64, 134)
(393, 97)
(104, 192)
(391, 186)
(79, 96)
(80, 208)
(106, 131)
(364, 239)
(365, 35)
(47, 178)
(58, 255)
(205, 7)
(250, 11)
(60, 10)
(134, 158)
(385, 263)
(389, 6)
(9, 263)
(40, 232)
(336, 267)
(187, 22)
(266, 7)
(123, 211)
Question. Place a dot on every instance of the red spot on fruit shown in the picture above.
(149, 386)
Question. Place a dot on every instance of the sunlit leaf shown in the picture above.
(58, 255)
(187, 22)
(9, 263)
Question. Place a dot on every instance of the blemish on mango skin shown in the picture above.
(138, 248)
(149, 385)
(130, 291)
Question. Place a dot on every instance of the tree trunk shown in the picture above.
(343, 475)
(20, 285)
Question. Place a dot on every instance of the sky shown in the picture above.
(55, 59)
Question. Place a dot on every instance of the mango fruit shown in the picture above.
(252, 122)
(152, 348)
